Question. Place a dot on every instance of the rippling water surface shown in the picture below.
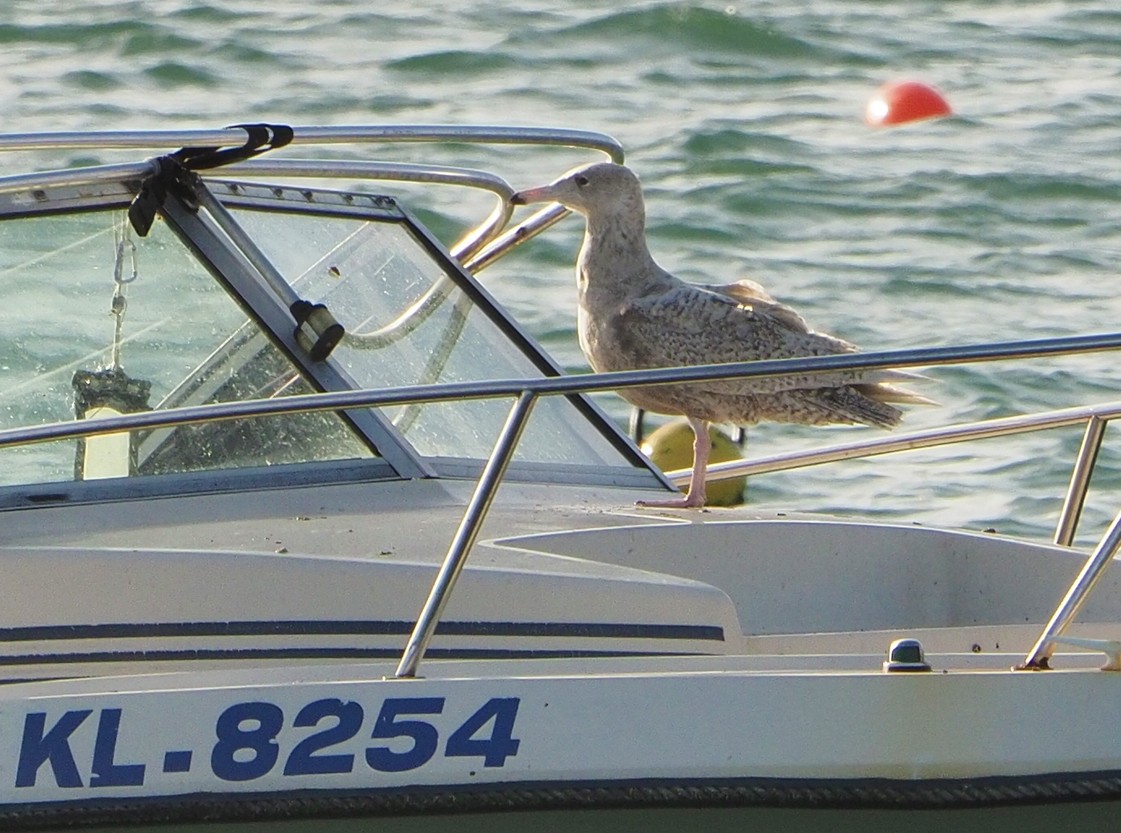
(744, 121)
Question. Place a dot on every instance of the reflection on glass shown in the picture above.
(91, 327)
(409, 323)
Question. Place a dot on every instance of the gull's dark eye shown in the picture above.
(581, 181)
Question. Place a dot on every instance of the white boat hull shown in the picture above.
(554, 735)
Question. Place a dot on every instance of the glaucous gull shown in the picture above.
(634, 314)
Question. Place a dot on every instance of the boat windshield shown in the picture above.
(409, 323)
(100, 321)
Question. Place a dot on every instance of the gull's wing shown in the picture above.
(690, 324)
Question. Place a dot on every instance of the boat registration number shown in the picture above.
(257, 738)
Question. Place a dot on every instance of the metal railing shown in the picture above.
(567, 385)
(526, 391)
(477, 248)
(312, 135)
(1094, 416)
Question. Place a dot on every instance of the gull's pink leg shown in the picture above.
(702, 445)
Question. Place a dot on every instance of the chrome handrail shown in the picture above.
(168, 140)
(466, 534)
(1076, 596)
(529, 228)
(527, 390)
(1080, 477)
(119, 172)
(1095, 416)
(315, 135)
(564, 385)
(467, 246)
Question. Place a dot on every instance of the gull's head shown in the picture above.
(599, 189)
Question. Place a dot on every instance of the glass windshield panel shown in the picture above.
(409, 322)
(97, 320)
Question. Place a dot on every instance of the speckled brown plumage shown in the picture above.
(634, 314)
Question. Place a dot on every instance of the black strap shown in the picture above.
(174, 171)
(261, 138)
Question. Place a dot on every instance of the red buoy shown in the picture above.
(904, 101)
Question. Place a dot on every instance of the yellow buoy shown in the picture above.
(671, 447)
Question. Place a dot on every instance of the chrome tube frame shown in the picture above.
(536, 223)
(315, 135)
(78, 176)
(1095, 416)
(465, 535)
(564, 385)
(526, 391)
(1080, 478)
(1091, 573)
(468, 245)
(466, 249)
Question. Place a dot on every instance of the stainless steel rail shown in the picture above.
(1075, 598)
(467, 249)
(78, 176)
(1080, 476)
(468, 245)
(1095, 416)
(561, 385)
(527, 390)
(465, 535)
(538, 222)
(315, 135)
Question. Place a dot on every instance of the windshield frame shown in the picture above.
(241, 277)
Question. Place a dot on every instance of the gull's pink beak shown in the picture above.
(542, 194)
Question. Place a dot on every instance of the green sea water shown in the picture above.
(744, 121)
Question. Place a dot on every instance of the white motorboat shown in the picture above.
(300, 527)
